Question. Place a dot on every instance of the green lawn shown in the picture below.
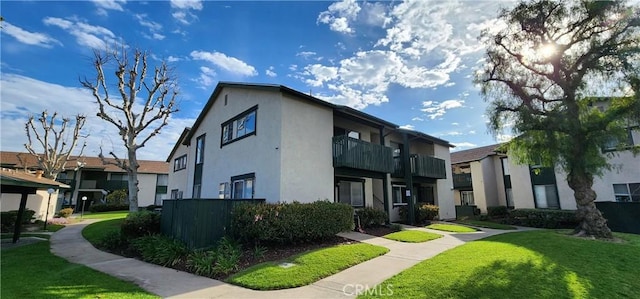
(94, 232)
(106, 215)
(412, 236)
(307, 268)
(10, 235)
(31, 271)
(487, 224)
(454, 228)
(533, 264)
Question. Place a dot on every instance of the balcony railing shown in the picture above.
(93, 184)
(358, 154)
(462, 180)
(421, 166)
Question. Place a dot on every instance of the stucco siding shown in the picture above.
(521, 186)
(147, 186)
(490, 182)
(36, 202)
(444, 187)
(306, 152)
(178, 179)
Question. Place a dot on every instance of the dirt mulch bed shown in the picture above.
(379, 231)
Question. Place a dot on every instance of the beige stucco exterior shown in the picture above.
(36, 202)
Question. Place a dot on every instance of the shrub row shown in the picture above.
(423, 213)
(108, 207)
(140, 224)
(8, 218)
(290, 222)
(543, 218)
(371, 217)
(497, 212)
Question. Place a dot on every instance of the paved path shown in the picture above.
(169, 283)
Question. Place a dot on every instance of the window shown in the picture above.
(505, 166)
(200, 149)
(546, 197)
(223, 191)
(398, 194)
(612, 143)
(176, 194)
(180, 163)
(509, 192)
(351, 192)
(119, 177)
(239, 127)
(196, 191)
(466, 198)
(627, 192)
(243, 186)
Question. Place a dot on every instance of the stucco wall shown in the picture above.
(478, 185)
(257, 154)
(521, 186)
(306, 152)
(147, 185)
(444, 187)
(36, 202)
(178, 179)
(490, 182)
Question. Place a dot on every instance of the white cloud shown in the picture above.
(452, 133)
(206, 78)
(269, 72)
(320, 74)
(339, 14)
(95, 37)
(503, 138)
(29, 38)
(144, 21)
(463, 145)
(187, 4)
(417, 119)
(16, 106)
(375, 14)
(229, 64)
(306, 54)
(158, 36)
(435, 109)
(455, 124)
(110, 4)
(173, 59)
(408, 127)
(472, 132)
(182, 10)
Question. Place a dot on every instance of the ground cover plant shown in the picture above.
(533, 264)
(305, 268)
(454, 228)
(32, 271)
(412, 236)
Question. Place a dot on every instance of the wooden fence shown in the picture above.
(199, 223)
(621, 217)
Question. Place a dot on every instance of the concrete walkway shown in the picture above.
(169, 283)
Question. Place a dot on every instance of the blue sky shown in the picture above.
(408, 62)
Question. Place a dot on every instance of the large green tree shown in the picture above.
(564, 76)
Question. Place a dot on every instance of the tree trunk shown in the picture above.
(133, 181)
(592, 223)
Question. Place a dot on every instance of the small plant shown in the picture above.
(140, 224)
(65, 213)
(202, 262)
(228, 255)
(371, 217)
(112, 241)
(396, 227)
(160, 250)
(117, 197)
(258, 252)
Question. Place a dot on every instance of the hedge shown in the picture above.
(542, 218)
(371, 217)
(497, 212)
(423, 213)
(108, 207)
(290, 222)
(140, 224)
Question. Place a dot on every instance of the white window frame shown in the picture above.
(631, 193)
(243, 181)
(465, 195)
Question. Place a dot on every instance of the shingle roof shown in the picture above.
(10, 159)
(21, 178)
(474, 154)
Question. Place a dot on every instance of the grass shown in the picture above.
(308, 267)
(454, 228)
(22, 235)
(533, 264)
(486, 224)
(94, 232)
(412, 236)
(106, 215)
(31, 271)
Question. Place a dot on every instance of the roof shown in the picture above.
(181, 139)
(283, 89)
(13, 177)
(474, 154)
(10, 160)
(426, 137)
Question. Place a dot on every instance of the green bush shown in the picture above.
(497, 212)
(161, 250)
(65, 213)
(8, 218)
(542, 218)
(113, 241)
(223, 260)
(202, 262)
(118, 197)
(370, 217)
(152, 207)
(423, 213)
(140, 224)
(290, 222)
(108, 207)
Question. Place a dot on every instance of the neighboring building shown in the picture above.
(485, 177)
(35, 188)
(88, 177)
(272, 142)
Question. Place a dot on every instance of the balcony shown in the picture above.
(421, 166)
(358, 154)
(112, 185)
(462, 180)
(92, 184)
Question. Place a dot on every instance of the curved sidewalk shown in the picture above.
(169, 283)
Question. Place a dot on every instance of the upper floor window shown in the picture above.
(627, 192)
(180, 163)
(243, 186)
(241, 126)
(200, 149)
(614, 143)
(119, 177)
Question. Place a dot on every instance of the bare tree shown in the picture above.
(57, 144)
(136, 118)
